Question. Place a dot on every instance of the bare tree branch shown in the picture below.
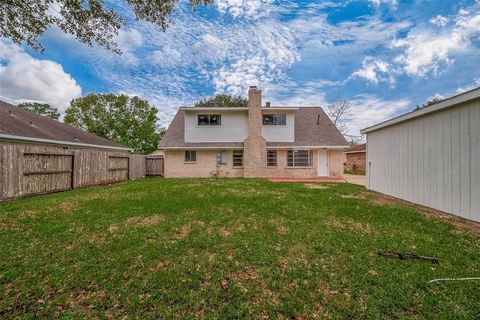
(337, 110)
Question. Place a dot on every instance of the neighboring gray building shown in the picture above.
(430, 156)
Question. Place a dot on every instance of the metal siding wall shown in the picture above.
(447, 155)
(433, 161)
(465, 161)
(475, 160)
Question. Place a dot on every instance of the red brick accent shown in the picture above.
(356, 162)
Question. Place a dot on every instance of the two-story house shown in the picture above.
(253, 141)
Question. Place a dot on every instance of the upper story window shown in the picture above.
(209, 119)
(275, 119)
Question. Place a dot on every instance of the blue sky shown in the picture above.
(386, 56)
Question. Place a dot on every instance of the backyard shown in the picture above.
(228, 248)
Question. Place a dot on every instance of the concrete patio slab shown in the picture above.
(355, 179)
(340, 180)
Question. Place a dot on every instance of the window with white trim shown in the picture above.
(299, 158)
(209, 119)
(222, 157)
(275, 119)
(238, 158)
(190, 156)
(271, 158)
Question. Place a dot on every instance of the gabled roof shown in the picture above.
(356, 148)
(23, 125)
(312, 128)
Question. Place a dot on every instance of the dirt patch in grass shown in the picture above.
(160, 265)
(249, 279)
(315, 186)
(349, 225)
(8, 225)
(296, 255)
(228, 231)
(459, 223)
(282, 229)
(225, 232)
(184, 230)
(248, 273)
(383, 199)
(30, 214)
(361, 196)
(137, 222)
(278, 223)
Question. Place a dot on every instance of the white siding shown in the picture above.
(280, 133)
(433, 160)
(234, 127)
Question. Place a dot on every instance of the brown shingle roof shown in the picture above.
(357, 148)
(16, 121)
(312, 128)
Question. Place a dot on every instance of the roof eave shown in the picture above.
(10, 137)
(268, 147)
(214, 109)
(192, 109)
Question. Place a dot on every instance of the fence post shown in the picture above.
(72, 182)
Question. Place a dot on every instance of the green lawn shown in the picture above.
(230, 249)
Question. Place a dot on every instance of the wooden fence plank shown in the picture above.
(27, 169)
(154, 166)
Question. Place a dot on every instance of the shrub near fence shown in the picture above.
(32, 169)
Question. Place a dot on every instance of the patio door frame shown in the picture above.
(322, 163)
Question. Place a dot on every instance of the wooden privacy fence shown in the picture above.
(154, 166)
(29, 169)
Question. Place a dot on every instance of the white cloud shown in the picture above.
(128, 41)
(374, 70)
(24, 78)
(427, 51)
(377, 3)
(475, 84)
(244, 8)
(439, 20)
(368, 110)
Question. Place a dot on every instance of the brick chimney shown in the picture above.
(255, 146)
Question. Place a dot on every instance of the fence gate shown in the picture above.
(154, 166)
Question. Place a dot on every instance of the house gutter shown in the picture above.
(58, 142)
(268, 147)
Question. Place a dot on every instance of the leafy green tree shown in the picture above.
(127, 120)
(89, 21)
(431, 101)
(43, 109)
(222, 100)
